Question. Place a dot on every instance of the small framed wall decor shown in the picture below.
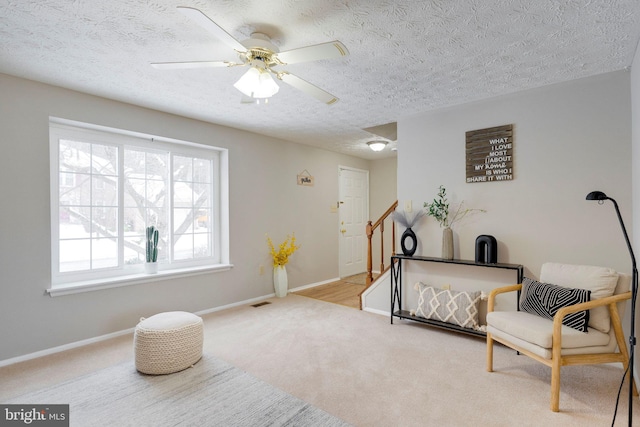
(305, 178)
(490, 154)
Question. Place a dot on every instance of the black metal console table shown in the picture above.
(396, 289)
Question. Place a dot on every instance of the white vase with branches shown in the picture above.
(446, 217)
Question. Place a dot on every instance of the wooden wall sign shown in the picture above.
(305, 178)
(490, 154)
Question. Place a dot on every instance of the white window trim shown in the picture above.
(176, 270)
(133, 279)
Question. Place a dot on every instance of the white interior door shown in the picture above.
(354, 213)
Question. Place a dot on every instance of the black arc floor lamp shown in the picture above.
(601, 197)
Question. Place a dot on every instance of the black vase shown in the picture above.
(486, 249)
(409, 234)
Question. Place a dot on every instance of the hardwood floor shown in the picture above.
(344, 292)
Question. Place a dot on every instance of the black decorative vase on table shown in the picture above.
(486, 249)
(409, 234)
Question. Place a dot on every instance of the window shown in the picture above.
(107, 186)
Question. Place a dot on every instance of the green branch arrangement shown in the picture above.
(439, 209)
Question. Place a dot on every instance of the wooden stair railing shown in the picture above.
(371, 228)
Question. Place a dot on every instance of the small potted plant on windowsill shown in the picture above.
(151, 266)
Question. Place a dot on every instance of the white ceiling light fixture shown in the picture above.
(377, 145)
(257, 82)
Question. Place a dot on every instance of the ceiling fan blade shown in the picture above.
(307, 88)
(329, 50)
(205, 22)
(193, 64)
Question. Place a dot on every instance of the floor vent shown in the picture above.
(260, 304)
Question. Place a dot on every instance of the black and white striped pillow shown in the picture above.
(545, 300)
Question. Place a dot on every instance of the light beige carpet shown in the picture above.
(358, 367)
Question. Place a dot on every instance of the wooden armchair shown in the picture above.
(553, 343)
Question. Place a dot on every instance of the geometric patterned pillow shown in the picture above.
(601, 281)
(545, 300)
(458, 308)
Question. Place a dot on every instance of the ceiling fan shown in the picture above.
(261, 56)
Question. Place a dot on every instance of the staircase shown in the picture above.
(378, 227)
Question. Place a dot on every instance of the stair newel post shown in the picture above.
(369, 248)
(393, 238)
(382, 245)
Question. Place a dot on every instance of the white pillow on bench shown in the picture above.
(445, 305)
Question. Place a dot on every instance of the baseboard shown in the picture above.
(313, 285)
(100, 338)
(376, 311)
(235, 304)
(64, 347)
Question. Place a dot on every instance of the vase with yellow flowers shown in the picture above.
(280, 259)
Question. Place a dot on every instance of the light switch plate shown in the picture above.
(407, 206)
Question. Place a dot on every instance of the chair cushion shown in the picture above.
(545, 300)
(458, 308)
(539, 331)
(600, 281)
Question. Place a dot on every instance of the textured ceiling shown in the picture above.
(406, 56)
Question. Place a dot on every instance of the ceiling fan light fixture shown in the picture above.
(257, 83)
(248, 81)
(377, 145)
(268, 87)
(259, 53)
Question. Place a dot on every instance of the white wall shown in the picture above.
(264, 199)
(383, 185)
(569, 139)
(382, 190)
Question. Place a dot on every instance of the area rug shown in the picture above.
(212, 393)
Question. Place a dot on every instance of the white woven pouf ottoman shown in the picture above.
(168, 342)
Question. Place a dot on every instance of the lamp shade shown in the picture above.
(257, 83)
(377, 145)
(597, 195)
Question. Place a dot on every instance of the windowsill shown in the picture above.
(133, 279)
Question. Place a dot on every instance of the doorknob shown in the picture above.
(344, 230)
